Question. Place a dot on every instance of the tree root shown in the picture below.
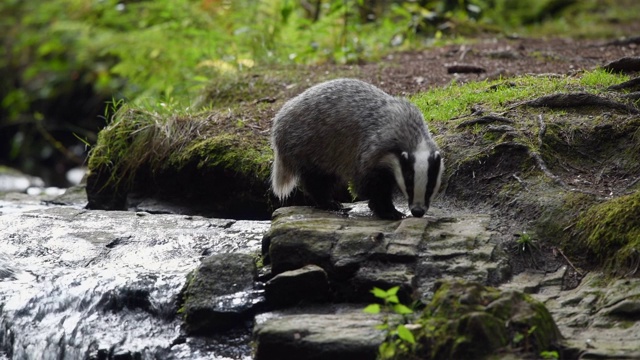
(627, 85)
(487, 119)
(536, 158)
(576, 100)
(465, 69)
(625, 64)
(623, 42)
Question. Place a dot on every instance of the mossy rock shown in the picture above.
(214, 162)
(468, 320)
(609, 233)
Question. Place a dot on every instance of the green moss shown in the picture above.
(139, 139)
(445, 103)
(468, 320)
(248, 156)
(610, 232)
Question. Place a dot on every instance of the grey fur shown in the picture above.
(345, 128)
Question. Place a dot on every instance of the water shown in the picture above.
(78, 284)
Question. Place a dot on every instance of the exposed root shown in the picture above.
(574, 100)
(538, 160)
(623, 42)
(631, 184)
(625, 64)
(634, 96)
(487, 119)
(465, 69)
(627, 85)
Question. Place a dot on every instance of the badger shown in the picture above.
(347, 130)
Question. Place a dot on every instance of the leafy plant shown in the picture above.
(549, 355)
(398, 337)
(525, 242)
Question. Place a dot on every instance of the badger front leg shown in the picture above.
(378, 187)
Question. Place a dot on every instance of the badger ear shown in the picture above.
(405, 155)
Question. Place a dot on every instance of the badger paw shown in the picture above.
(385, 212)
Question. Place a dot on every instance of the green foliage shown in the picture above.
(525, 242)
(549, 354)
(170, 49)
(398, 337)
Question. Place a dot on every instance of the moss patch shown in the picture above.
(610, 232)
(468, 320)
(219, 160)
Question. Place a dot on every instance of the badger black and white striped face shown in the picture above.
(419, 176)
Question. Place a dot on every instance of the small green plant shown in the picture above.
(398, 337)
(549, 355)
(525, 242)
(519, 337)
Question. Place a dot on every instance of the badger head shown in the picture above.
(418, 174)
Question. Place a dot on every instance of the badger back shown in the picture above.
(326, 125)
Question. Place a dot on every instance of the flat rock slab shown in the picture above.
(359, 252)
(347, 335)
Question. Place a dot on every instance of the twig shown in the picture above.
(519, 180)
(569, 226)
(569, 262)
(631, 184)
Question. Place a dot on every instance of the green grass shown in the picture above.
(443, 104)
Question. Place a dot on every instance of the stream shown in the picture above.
(91, 284)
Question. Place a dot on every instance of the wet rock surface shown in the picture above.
(359, 252)
(220, 294)
(307, 284)
(346, 333)
(599, 316)
(78, 283)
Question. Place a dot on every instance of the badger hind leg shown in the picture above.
(319, 187)
(378, 187)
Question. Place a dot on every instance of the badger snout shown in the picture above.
(417, 211)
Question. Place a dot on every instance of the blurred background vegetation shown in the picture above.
(65, 65)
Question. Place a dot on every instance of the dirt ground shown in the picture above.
(411, 72)
(408, 73)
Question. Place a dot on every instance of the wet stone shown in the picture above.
(220, 293)
(307, 284)
(359, 252)
(351, 334)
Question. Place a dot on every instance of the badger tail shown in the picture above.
(283, 180)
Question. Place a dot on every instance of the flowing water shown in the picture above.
(89, 284)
